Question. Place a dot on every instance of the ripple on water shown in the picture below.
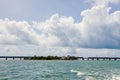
(59, 70)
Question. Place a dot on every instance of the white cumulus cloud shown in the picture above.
(102, 2)
(98, 29)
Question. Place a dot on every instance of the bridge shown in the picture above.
(13, 57)
(99, 58)
(79, 58)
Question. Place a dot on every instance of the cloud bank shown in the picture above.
(31, 50)
(98, 29)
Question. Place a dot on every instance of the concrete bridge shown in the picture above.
(80, 58)
(14, 57)
(99, 58)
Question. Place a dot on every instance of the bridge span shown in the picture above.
(15, 57)
(99, 58)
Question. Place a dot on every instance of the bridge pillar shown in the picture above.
(103, 59)
(97, 59)
(109, 59)
(92, 58)
(82, 58)
(6, 58)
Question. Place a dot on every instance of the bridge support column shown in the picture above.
(82, 58)
(92, 58)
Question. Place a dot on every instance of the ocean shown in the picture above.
(59, 70)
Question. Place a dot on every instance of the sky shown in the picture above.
(40, 10)
(60, 27)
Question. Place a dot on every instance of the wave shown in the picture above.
(115, 77)
(79, 73)
(82, 74)
(87, 76)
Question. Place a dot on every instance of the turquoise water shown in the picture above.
(59, 70)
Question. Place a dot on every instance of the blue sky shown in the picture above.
(40, 10)
(73, 27)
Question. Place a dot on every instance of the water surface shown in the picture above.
(59, 70)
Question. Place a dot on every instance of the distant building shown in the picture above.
(68, 57)
(63, 57)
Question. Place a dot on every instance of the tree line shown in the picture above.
(52, 58)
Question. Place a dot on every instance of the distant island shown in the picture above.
(58, 58)
(52, 58)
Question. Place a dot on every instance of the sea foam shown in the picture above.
(115, 77)
(79, 73)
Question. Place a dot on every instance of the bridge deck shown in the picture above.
(99, 58)
(13, 57)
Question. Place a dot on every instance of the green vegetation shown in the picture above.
(52, 58)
